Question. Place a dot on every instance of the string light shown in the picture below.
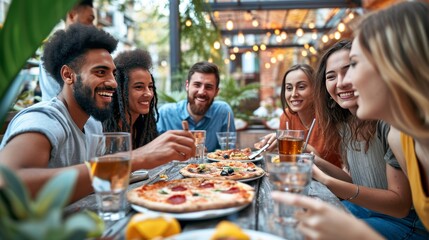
(240, 37)
(232, 57)
(229, 25)
(299, 32)
(341, 27)
(255, 22)
(235, 49)
(216, 45)
(283, 35)
(325, 38)
(188, 22)
(267, 65)
(255, 48)
(263, 47)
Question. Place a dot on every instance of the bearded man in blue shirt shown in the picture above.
(199, 109)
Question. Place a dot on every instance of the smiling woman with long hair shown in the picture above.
(135, 100)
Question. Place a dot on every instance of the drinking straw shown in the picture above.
(308, 135)
(227, 130)
(287, 125)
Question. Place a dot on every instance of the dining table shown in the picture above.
(257, 216)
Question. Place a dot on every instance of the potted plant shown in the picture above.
(42, 218)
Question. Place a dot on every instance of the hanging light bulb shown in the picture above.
(341, 27)
(278, 39)
(304, 53)
(311, 25)
(267, 65)
(235, 49)
(188, 22)
(283, 35)
(227, 42)
(280, 57)
(263, 47)
(226, 61)
(351, 15)
(277, 31)
(240, 37)
(255, 48)
(229, 25)
(314, 35)
(255, 22)
(273, 60)
(216, 45)
(337, 35)
(325, 38)
(232, 57)
(299, 32)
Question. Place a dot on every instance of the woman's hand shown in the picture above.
(271, 139)
(320, 220)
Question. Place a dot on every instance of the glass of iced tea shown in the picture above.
(109, 165)
(290, 141)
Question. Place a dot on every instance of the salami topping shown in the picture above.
(232, 190)
(178, 188)
(176, 199)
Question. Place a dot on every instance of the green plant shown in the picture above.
(234, 94)
(27, 24)
(22, 218)
(173, 97)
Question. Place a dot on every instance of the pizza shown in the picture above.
(232, 170)
(230, 154)
(191, 195)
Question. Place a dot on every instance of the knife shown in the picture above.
(259, 151)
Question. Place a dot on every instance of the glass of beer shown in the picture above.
(290, 141)
(109, 165)
(200, 139)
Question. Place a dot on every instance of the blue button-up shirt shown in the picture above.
(215, 120)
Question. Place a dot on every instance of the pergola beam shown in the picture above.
(256, 31)
(248, 47)
(282, 5)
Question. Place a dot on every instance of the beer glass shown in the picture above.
(109, 163)
(290, 141)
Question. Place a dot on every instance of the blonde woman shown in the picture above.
(389, 70)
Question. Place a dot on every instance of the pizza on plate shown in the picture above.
(230, 154)
(233, 170)
(191, 195)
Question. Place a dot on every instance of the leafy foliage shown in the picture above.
(22, 218)
(27, 24)
(173, 97)
(234, 94)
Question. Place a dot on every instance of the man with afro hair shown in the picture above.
(51, 136)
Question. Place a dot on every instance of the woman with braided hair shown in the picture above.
(135, 100)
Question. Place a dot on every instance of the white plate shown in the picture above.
(251, 179)
(258, 158)
(200, 215)
(205, 234)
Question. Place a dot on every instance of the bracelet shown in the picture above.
(354, 196)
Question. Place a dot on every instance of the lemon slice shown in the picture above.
(148, 227)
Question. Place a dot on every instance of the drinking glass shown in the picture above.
(227, 140)
(290, 141)
(109, 163)
(200, 139)
(289, 173)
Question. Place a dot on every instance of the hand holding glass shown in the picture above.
(290, 141)
(289, 173)
(109, 165)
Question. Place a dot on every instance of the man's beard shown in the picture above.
(198, 110)
(83, 96)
